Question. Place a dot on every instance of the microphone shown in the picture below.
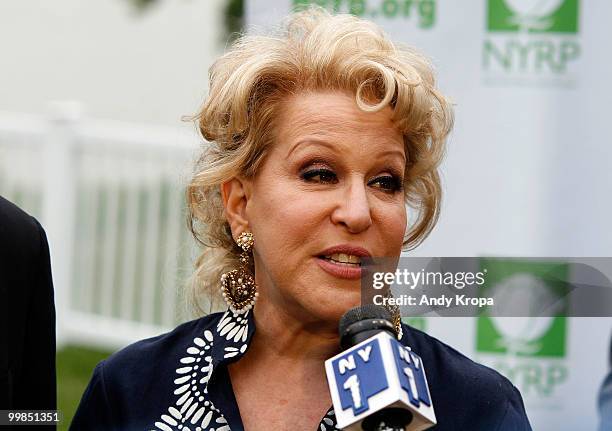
(377, 383)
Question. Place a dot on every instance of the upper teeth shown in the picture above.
(344, 258)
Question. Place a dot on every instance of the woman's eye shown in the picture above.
(387, 183)
(324, 176)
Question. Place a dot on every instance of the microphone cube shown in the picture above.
(377, 373)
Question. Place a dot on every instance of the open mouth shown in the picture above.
(343, 259)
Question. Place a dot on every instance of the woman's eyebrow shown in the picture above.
(316, 142)
(396, 153)
(304, 143)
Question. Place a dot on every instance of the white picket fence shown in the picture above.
(111, 199)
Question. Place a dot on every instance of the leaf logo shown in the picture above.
(533, 15)
(523, 291)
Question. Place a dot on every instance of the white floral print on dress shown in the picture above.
(193, 410)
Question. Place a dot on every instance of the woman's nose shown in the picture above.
(353, 208)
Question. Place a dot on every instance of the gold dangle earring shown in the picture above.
(396, 315)
(238, 285)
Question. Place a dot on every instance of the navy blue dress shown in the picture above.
(179, 381)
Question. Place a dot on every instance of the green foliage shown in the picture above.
(143, 4)
(75, 366)
(234, 18)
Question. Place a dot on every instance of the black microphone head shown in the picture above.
(368, 311)
(360, 323)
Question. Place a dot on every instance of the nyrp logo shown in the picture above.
(537, 290)
(531, 41)
(524, 336)
(530, 350)
(535, 16)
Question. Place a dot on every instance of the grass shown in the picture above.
(75, 366)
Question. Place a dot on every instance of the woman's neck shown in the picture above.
(281, 335)
(281, 378)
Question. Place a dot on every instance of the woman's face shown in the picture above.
(332, 179)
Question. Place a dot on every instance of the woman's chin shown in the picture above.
(333, 312)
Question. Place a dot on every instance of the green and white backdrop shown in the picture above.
(527, 171)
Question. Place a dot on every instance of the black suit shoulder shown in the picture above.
(19, 234)
(464, 390)
(27, 351)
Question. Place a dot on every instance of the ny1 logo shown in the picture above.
(412, 375)
(360, 374)
(363, 372)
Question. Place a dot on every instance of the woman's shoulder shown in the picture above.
(155, 354)
(137, 379)
(463, 389)
(447, 360)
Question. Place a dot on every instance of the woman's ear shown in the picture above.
(235, 194)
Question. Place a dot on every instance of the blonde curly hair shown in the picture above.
(313, 50)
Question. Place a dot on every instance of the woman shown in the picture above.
(319, 137)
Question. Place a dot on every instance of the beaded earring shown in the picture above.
(238, 285)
